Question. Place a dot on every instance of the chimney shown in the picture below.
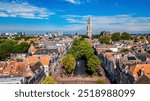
(38, 59)
(142, 71)
(28, 65)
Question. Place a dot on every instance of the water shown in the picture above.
(80, 67)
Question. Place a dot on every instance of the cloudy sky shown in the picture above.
(70, 16)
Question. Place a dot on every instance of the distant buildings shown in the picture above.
(13, 34)
(105, 33)
(56, 34)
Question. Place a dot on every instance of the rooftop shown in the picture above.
(10, 80)
(44, 59)
(143, 68)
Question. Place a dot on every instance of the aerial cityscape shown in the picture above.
(81, 42)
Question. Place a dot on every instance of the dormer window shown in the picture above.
(6, 73)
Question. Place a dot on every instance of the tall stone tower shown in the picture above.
(89, 28)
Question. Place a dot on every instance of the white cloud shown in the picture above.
(23, 10)
(111, 23)
(77, 23)
(79, 1)
(71, 20)
(2, 14)
(74, 1)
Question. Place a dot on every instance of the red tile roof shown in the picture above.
(144, 67)
(2, 64)
(28, 73)
(7, 69)
(34, 59)
(12, 63)
(18, 69)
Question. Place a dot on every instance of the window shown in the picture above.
(6, 73)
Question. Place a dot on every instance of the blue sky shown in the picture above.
(70, 16)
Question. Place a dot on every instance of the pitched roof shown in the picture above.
(16, 70)
(33, 69)
(44, 59)
(105, 46)
(145, 67)
(20, 68)
(32, 48)
(143, 80)
(46, 51)
(28, 73)
(109, 56)
(2, 64)
(7, 69)
(12, 63)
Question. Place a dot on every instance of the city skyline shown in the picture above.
(71, 15)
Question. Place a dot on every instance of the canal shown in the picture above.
(80, 67)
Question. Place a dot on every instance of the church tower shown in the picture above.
(89, 28)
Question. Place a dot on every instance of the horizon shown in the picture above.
(70, 16)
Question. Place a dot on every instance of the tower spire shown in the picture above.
(89, 28)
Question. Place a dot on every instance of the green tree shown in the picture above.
(116, 36)
(49, 80)
(136, 39)
(124, 50)
(96, 36)
(81, 48)
(105, 40)
(3, 37)
(32, 42)
(126, 36)
(23, 47)
(93, 64)
(148, 51)
(8, 47)
(83, 36)
(100, 81)
(69, 63)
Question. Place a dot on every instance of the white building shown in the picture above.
(12, 80)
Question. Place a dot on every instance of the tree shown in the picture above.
(116, 36)
(124, 50)
(23, 47)
(148, 51)
(3, 37)
(83, 36)
(126, 36)
(100, 81)
(137, 39)
(105, 40)
(96, 36)
(8, 47)
(49, 80)
(69, 63)
(81, 48)
(93, 64)
(32, 42)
